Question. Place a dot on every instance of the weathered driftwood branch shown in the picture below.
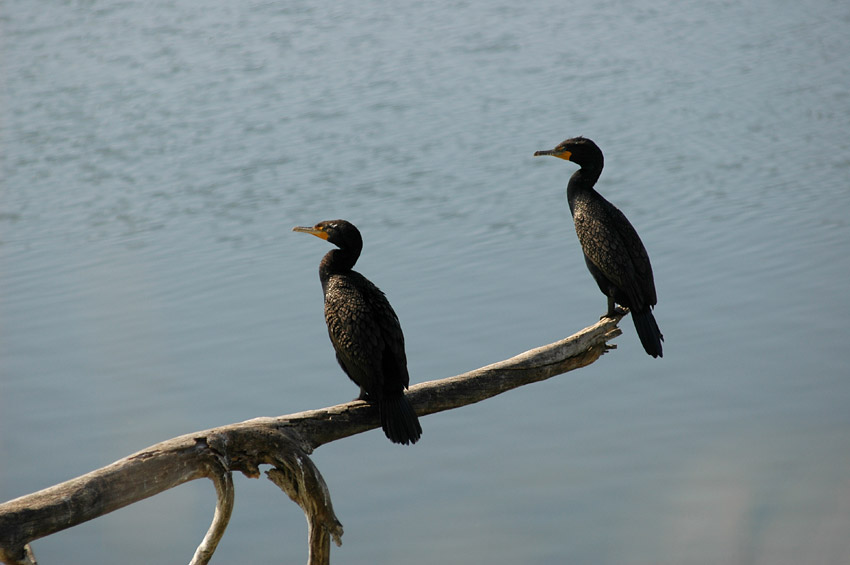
(283, 442)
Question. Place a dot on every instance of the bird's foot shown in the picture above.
(616, 311)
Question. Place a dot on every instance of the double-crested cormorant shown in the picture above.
(612, 249)
(365, 331)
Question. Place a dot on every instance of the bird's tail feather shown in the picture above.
(648, 332)
(399, 420)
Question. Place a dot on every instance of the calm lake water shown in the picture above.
(156, 155)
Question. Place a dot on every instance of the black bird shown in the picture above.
(365, 331)
(612, 249)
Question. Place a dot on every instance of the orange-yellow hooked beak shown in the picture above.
(565, 155)
(318, 232)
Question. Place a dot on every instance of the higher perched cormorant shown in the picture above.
(612, 249)
(365, 331)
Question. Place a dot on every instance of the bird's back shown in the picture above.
(612, 245)
(366, 334)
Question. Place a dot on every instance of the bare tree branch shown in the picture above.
(284, 443)
(223, 480)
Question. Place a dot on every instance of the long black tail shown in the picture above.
(398, 420)
(648, 332)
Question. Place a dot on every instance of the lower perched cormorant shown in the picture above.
(365, 331)
(612, 249)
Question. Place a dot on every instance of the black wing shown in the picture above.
(366, 334)
(611, 243)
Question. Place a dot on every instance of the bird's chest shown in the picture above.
(349, 313)
(583, 206)
(343, 300)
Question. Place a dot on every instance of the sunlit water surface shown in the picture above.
(156, 155)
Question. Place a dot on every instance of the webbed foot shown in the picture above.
(614, 310)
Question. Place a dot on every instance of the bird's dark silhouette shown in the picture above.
(365, 331)
(612, 249)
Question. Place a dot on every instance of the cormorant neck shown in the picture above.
(337, 261)
(583, 179)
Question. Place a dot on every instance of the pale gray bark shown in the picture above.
(284, 443)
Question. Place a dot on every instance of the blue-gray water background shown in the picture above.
(155, 156)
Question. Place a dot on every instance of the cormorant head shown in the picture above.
(580, 150)
(339, 232)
